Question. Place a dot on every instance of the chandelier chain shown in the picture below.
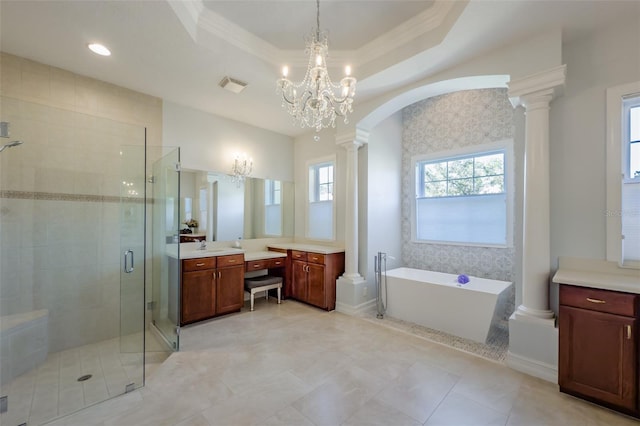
(317, 20)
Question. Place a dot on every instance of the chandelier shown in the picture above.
(317, 101)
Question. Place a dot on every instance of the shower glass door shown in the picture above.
(133, 210)
(165, 293)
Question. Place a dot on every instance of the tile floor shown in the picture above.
(52, 390)
(291, 364)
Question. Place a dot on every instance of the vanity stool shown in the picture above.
(263, 283)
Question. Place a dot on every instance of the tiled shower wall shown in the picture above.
(448, 122)
(60, 196)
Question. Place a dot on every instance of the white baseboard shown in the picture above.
(532, 367)
(355, 310)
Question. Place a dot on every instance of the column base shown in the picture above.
(533, 346)
(530, 314)
(352, 294)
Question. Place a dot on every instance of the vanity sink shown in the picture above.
(209, 251)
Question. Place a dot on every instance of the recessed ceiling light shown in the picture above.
(99, 49)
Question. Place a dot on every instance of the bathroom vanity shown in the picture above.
(211, 282)
(211, 286)
(598, 322)
(311, 272)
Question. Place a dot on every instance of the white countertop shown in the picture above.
(190, 251)
(597, 274)
(261, 255)
(308, 247)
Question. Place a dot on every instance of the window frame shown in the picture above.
(617, 167)
(316, 164)
(270, 193)
(317, 184)
(505, 146)
(628, 102)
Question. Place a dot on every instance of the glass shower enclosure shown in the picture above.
(84, 231)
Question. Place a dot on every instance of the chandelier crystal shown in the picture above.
(241, 168)
(316, 101)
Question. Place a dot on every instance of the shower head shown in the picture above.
(10, 145)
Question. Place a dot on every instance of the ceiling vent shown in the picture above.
(232, 85)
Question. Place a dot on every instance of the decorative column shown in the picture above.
(528, 339)
(348, 284)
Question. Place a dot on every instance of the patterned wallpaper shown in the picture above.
(451, 121)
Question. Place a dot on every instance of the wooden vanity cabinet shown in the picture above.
(211, 286)
(229, 284)
(314, 277)
(598, 348)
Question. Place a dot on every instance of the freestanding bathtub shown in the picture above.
(436, 300)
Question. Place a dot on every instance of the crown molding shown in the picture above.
(194, 16)
(423, 23)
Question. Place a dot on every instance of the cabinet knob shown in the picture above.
(595, 300)
(628, 332)
(199, 264)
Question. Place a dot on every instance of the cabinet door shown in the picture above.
(198, 296)
(229, 289)
(597, 356)
(316, 285)
(299, 281)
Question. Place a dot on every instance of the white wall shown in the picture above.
(600, 60)
(209, 142)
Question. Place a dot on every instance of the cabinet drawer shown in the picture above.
(593, 299)
(198, 264)
(315, 258)
(231, 260)
(276, 263)
(256, 265)
(298, 255)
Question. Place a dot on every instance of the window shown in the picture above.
(630, 212)
(631, 114)
(320, 209)
(272, 208)
(272, 192)
(462, 199)
(623, 175)
(321, 182)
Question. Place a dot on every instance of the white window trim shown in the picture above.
(615, 172)
(509, 177)
(327, 159)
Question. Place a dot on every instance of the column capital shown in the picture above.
(353, 140)
(538, 86)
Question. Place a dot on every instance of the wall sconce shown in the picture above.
(242, 167)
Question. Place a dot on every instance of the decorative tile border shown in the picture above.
(58, 196)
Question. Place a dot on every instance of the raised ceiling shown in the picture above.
(179, 50)
(350, 24)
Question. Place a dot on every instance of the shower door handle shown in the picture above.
(127, 269)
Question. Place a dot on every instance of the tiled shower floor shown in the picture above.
(52, 390)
